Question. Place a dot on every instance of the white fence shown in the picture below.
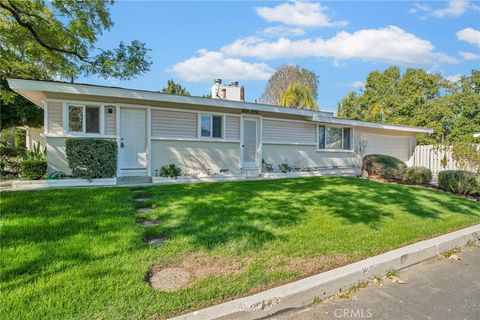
(436, 159)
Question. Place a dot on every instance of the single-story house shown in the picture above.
(203, 135)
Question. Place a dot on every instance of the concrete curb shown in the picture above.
(301, 293)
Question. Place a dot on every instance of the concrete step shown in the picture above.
(133, 180)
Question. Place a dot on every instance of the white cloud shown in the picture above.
(298, 13)
(358, 85)
(390, 44)
(454, 9)
(454, 77)
(209, 65)
(469, 56)
(469, 35)
(282, 31)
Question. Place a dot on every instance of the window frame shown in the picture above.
(211, 115)
(101, 119)
(326, 126)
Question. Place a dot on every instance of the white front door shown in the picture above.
(250, 143)
(133, 142)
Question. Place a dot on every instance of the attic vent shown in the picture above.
(249, 111)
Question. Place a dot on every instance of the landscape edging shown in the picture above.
(302, 292)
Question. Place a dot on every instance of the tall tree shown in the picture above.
(175, 88)
(298, 96)
(56, 40)
(419, 98)
(283, 77)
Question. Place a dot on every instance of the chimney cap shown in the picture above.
(219, 81)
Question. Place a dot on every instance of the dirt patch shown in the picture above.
(197, 266)
(169, 279)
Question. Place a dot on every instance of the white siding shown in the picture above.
(394, 146)
(110, 121)
(274, 131)
(233, 128)
(54, 121)
(174, 124)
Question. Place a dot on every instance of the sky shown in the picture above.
(195, 42)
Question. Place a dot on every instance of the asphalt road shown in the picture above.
(438, 289)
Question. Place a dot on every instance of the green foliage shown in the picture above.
(17, 111)
(283, 77)
(37, 153)
(33, 169)
(298, 96)
(266, 167)
(418, 175)
(170, 170)
(91, 158)
(284, 167)
(459, 181)
(384, 166)
(12, 150)
(175, 88)
(419, 98)
(466, 154)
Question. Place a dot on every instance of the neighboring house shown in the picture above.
(204, 135)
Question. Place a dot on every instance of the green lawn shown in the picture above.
(80, 254)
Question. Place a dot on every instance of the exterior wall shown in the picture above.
(57, 161)
(232, 131)
(195, 157)
(304, 156)
(174, 124)
(55, 117)
(33, 137)
(110, 120)
(281, 131)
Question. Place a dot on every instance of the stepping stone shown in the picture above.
(138, 190)
(169, 279)
(145, 209)
(156, 241)
(149, 223)
(143, 198)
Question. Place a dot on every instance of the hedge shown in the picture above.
(418, 175)
(459, 181)
(33, 169)
(384, 166)
(92, 158)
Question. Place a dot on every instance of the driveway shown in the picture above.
(437, 289)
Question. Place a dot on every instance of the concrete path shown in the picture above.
(436, 289)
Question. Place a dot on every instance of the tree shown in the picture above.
(418, 98)
(56, 40)
(298, 96)
(175, 88)
(283, 77)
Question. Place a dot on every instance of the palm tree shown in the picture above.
(298, 96)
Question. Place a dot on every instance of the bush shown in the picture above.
(170, 170)
(459, 181)
(267, 167)
(418, 175)
(384, 166)
(284, 167)
(33, 169)
(91, 158)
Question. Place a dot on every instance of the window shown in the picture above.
(84, 119)
(211, 126)
(334, 138)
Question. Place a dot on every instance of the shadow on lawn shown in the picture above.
(250, 214)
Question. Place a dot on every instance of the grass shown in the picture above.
(79, 253)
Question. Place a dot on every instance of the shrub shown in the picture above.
(170, 170)
(459, 181)
(33, 169)
(91, 158)
(384, 166)
(418, 175)
(267, 167)
(284, 167)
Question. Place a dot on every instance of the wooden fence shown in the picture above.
(436, 159)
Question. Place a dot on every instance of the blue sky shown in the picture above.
(341, 41)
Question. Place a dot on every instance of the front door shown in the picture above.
(250, 143)
(133, 143)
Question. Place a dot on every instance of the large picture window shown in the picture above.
(211, 126)
(84, 119)
(334, 138)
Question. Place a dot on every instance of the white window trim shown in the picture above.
(83, 133)
(211, 138)
(334, 150)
